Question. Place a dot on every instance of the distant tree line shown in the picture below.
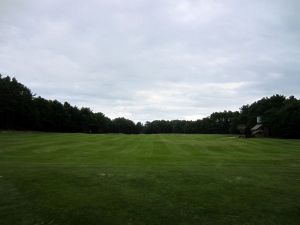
(21, 110)
(217, 123)
(281, 115)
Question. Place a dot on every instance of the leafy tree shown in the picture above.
(125, 126)
(139, 128)
(20, 109)
(15, 104)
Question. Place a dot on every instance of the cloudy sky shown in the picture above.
(153, 59)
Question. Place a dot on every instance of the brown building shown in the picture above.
(259, 130)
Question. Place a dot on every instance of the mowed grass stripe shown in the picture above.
(48, 178)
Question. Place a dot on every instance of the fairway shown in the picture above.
(60, 179)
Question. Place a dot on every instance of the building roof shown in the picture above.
(256, 127)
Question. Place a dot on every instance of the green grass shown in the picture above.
(51, 179)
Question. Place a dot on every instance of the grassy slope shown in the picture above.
(148, 179)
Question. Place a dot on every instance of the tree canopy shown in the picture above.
(21, 110)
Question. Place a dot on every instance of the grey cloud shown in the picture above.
(153, 59)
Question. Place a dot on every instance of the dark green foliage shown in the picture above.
(139, 127)
(279, 114)
(125, 126)
(218, 123)
(20, 110)
(15, 104)
(54, 116)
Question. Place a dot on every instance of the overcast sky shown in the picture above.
(153, 59)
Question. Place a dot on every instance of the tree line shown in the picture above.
(21, 110)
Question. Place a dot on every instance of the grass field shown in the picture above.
(48, 178)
